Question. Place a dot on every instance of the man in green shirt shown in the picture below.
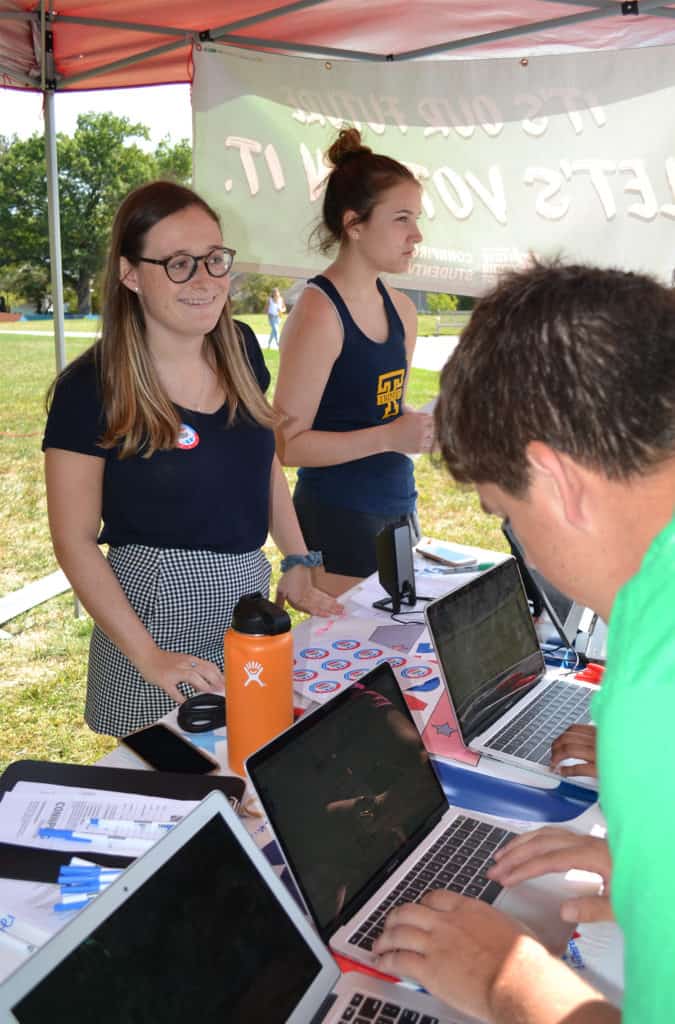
(559, 406)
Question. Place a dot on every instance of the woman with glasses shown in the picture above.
(346, 350)
(161, 431)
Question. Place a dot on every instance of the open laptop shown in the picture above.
(364, 824)
(494, 669)
(200, 928)
(578, 628)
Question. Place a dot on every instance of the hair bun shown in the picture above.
(347, 144)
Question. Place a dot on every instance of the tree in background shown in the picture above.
(438, 302)
(250, 292)
(98, 165)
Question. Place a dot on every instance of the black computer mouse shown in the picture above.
(202, 712)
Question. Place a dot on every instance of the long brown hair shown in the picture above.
(139, 415)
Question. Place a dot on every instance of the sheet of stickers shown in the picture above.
(334, 653)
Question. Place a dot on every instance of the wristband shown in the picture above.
(311, 560)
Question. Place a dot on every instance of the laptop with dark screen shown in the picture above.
(364, 824)
(200, 928)
(567, 616)
(506, 705)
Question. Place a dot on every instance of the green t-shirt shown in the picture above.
(635, 715)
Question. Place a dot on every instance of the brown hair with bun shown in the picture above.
(357, 181)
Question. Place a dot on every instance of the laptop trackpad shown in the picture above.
(536, 904)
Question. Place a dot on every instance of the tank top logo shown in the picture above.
(253, 670)
(187, 437)
(390, 392)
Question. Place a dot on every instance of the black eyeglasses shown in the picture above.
(181, 267)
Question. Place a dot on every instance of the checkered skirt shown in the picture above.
(185, 599)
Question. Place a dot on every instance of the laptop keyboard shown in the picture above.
(530, 734)
(365, 1009)
(457, 861)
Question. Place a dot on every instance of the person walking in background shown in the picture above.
(162, 431)
(345, 354)
(275, 307)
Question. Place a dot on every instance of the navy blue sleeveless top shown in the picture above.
(364, 389)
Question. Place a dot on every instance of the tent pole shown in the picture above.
(54, 230)
(55, 248)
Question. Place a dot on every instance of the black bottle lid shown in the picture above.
(255, 615)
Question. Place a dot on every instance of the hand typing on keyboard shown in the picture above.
(558, 849)
(577, 742)
(483, 963)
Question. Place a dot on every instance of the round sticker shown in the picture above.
(187, 437)
(345, 645)
(314, 653)
(355, 674)
(324, 686)
(395, 662)
(335, 664)
(304, 675)
(416, 672)
(369, 652)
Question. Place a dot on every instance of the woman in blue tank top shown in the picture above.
(345, 355)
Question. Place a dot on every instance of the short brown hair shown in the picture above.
(357, 181)
(578, 357)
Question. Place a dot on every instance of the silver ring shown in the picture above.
(193, 664)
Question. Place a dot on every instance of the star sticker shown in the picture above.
(445, 729)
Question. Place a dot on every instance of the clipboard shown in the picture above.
(28, 864)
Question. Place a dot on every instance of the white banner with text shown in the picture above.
(569, 155)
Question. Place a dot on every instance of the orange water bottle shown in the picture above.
(258, 677)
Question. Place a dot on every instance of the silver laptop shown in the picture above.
(200, 928)
(578, 628)
(494, 670)
(364, 824)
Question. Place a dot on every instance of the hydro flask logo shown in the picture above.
(253, 670)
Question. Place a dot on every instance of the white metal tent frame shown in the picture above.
(45, 23)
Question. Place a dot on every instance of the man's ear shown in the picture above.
(564, 480)
(128, 274)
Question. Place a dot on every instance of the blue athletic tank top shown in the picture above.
(364, 389)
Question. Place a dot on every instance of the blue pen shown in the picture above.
(158, 827)
(64, 833)
(85, 889)
(61, 907)
(112, 842)
(76, 874)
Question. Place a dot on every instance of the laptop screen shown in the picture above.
(563, 611)
(348, 790)
(487, 646)
(202, 939)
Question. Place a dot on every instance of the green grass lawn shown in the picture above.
(43, 663)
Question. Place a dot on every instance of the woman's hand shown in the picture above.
(296, 587)
(413, 432)
(166, 669)
(558, 850)
(578, 742)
